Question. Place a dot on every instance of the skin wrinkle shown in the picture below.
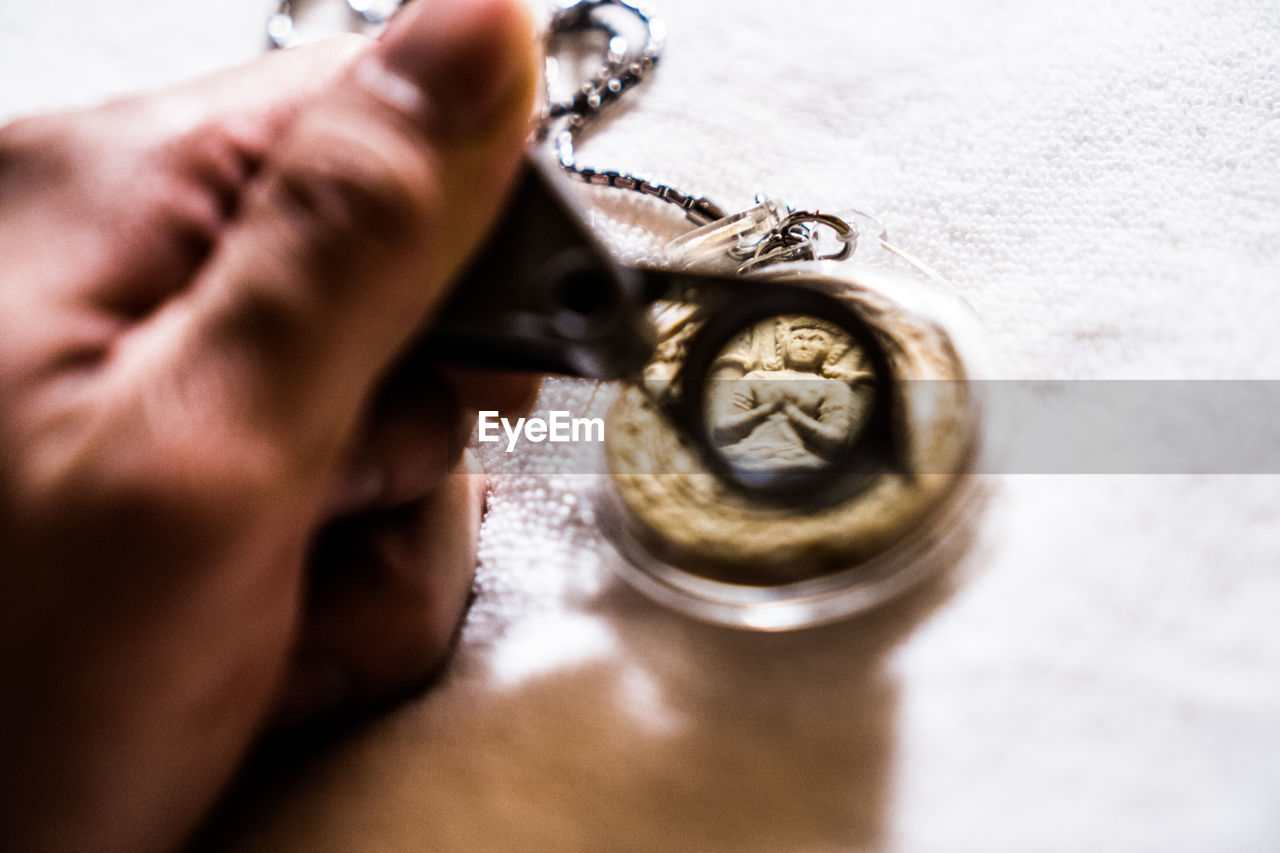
(351, 193)
(192, 192)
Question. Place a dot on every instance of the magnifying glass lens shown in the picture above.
(786, 400)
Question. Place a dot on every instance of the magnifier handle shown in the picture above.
(542, 295)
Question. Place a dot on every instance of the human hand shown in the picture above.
(228, 494)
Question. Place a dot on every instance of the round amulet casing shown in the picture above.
(709, 546)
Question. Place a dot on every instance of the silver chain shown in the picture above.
(623, 69)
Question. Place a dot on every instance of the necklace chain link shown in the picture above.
(623, 69)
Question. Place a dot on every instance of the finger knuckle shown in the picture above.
(355, 184)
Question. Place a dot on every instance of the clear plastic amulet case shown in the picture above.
(832, 426)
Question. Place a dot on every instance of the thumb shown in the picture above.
(360, 216)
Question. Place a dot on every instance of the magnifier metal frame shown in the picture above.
(726, 307)
(544, 295)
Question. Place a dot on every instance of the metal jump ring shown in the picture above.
(845, 233)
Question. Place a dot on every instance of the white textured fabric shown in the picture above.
(1102, 181)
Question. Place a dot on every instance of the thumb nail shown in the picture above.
(465, 55)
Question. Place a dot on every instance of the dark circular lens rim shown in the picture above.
(872, 450)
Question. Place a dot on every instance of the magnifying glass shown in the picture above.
(803, 414)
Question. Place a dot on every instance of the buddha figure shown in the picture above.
(796, 408)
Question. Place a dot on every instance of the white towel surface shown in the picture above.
(1101, 671)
